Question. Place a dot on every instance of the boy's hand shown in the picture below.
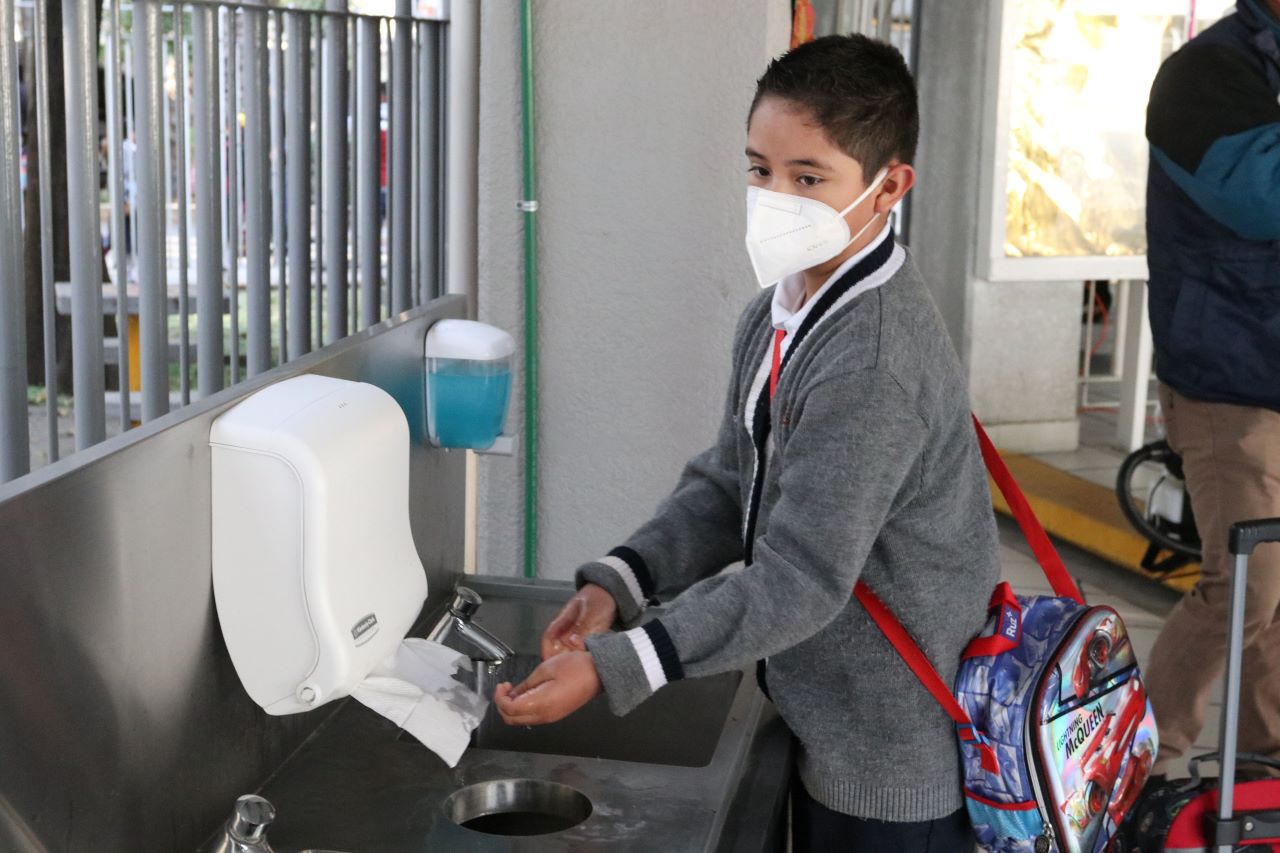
(592, 610)
(554, 690)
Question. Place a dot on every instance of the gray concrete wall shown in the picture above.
(641, 123)
(1019, 341)
(954, 43)
(1023, 360)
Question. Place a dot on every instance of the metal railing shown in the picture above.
(258, 181)
(1115, 359)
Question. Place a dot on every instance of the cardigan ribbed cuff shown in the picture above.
(622, 673)
(624, 575)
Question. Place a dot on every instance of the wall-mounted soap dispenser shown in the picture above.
(468, 376)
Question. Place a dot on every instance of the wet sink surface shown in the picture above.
(661, 778)
(679, 726)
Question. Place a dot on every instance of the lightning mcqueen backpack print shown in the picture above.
(1056, 733)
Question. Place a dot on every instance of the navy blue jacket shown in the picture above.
(1213, 212)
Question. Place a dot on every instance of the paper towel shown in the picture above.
(417, 688)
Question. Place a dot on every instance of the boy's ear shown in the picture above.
(901, 177)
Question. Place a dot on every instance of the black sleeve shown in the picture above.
(1205, 93)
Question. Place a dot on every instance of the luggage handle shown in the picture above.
(1244, 537)
(1193, 765)
(1247, 535)
(1255, 826)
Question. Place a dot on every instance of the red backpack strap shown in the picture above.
(1046, 554)
(919, 664)
(1008, 626)
(1002, 599)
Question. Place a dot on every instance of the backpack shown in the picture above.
(1056, 735)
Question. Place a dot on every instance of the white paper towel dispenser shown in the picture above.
(315, 575)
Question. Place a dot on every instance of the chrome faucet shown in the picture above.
(246, 830)
(456, 630)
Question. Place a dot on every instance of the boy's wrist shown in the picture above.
(621, 672)
(612, 578)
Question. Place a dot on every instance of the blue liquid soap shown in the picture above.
(466, 408)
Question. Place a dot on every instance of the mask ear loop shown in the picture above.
(879, 178)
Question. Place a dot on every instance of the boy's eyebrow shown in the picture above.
(812, 164)
(804, 161)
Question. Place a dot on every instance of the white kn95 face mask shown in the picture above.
(790, 233)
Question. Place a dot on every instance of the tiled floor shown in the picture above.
(1098, 460)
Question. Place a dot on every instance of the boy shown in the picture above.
(846, 451)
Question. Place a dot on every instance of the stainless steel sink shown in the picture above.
(517, 807)
(665, 777)
(679, 726)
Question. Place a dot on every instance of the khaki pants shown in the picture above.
(1231, 457)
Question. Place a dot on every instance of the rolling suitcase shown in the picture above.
(1198, 815)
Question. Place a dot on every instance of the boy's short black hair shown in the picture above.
(859, 91)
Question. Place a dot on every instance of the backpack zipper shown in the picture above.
(1048, 816)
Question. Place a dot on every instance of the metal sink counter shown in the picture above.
(667, 777)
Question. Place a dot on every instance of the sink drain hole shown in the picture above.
(517, 807)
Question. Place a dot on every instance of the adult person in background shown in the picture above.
(1213, 229)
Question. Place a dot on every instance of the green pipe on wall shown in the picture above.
(529, 206)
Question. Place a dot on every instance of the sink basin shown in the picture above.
(678, 726)
(517, 807)
(700, 767)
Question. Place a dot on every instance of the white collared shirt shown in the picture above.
(788, 296)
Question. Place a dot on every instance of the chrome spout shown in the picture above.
(456, 630)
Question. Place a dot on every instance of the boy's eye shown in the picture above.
(809, 180)
(758, 171)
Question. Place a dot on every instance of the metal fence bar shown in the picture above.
(384, 152)
(248, 122)
(23, 58)
(462, 126)
(429, 120)
(275, 56)
(233, 187)
(166, 151)
(207, 134)
(353, 289)
(48, 298)
(341, 13)
(334, 195)
(257, 176)
(79, 50)
(120, 236)
(399, 139)
(14, 438)
(297, 91)
(184, 201)
(130, 152)
(153, 303)
(368, 171)
(224, 159)
(415, 158)
(317, 308)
